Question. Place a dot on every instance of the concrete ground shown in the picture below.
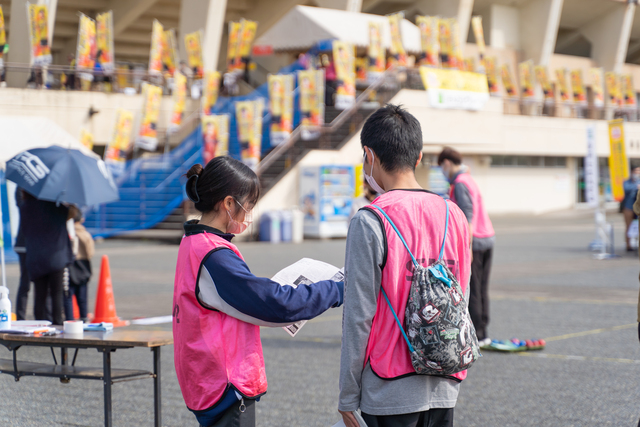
(545, 284)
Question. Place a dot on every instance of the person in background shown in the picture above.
(368, 195)
(219, 305)
(22, 296)
(44, 225)
(630, 186)
(465, 193)
(376, 374)
(80, 270)
(330, 77)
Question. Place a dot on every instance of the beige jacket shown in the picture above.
(636, 209)
(84, 241)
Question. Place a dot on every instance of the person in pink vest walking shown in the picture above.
(376, 374)
(219, 305)
(465, 193)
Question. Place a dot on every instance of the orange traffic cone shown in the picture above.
(105, 304)
(76, 309)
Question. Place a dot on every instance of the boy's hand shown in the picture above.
(349, 419)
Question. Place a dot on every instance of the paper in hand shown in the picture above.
(305, 272)
(358, 418)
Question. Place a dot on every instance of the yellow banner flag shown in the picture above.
(235, 29)
(397, 48)
(280, 107)
(169, 52)
(3, 33)
(478, 32)
(543, 79)
(116, 152)
(249, 124)
(39, 34)
(179, 100)
(104, 36)
(344, 60)
(561, 80)
(526, 79)
(577, 87)
(148, 135)
(248, 31)
(628, 91)
(193, 43)
(597, 87)
(491, 69)
(429, 40)
(86, 138)
(86, 49)
(155, 56)
(445, 37)
(618, 162)
(215, 136)
(211, 89)
(614, 94)
(311, 87)
(375, 52)
(507, 82)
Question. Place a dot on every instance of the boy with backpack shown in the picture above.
(393, 331)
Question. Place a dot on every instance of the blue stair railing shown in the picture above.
(150, 189)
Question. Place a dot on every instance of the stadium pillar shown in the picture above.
(208, 16)
(348, 5)
(609, 37)
(539, 22)
(19, 50)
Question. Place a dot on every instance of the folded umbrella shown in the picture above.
(61, 175)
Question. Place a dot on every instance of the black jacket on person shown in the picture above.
(44, 226)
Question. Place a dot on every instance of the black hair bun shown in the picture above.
(195, 170)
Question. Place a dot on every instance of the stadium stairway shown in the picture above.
(151, 193)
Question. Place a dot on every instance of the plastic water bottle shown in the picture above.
(5, 308)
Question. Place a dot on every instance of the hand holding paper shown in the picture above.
(305, 272)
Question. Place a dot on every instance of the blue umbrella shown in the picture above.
(60, 175)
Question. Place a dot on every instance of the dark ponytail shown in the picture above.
(222, 177)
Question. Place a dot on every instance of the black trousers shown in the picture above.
(235, 418)
(23, 290)
(436, 417)
(51, 284)
(479, 291)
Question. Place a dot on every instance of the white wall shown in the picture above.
(70, 109)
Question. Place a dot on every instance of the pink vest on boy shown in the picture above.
(420, 217)
(481, 223)
(212, 350)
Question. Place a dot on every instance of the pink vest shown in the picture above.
(211, 350)
(481, 223)
(420, 217)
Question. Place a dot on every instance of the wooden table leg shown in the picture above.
(157, 392)
(106, 365)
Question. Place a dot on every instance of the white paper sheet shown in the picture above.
(305, 272)
(358, 418)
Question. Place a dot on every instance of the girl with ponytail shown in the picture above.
(219, 305)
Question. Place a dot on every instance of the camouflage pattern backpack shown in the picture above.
(438, 329)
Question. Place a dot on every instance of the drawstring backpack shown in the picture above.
(438, 329)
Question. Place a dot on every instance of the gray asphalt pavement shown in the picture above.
(545, 284)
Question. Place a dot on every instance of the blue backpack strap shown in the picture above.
(415, 262)
(446, 229)
(404, 334)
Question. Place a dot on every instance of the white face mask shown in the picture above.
(235, 227)
(370, 180)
